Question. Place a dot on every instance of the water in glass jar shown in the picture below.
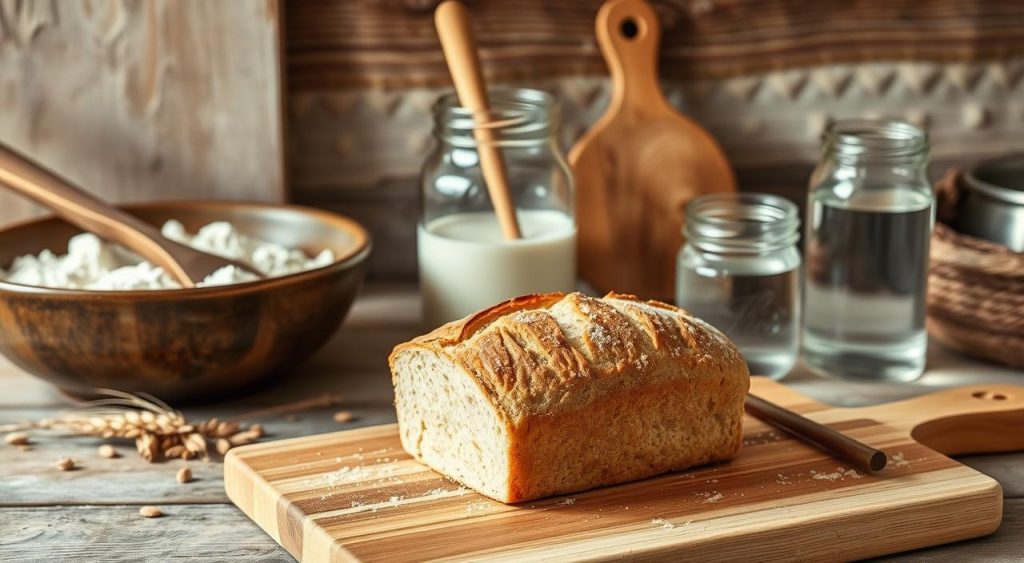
(757, 311)
(867, 269)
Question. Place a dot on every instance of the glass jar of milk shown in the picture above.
(465, 263)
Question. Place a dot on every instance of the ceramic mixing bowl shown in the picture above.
(183, 345)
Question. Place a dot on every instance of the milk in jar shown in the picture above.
(466, 265)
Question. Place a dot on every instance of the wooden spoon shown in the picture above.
(453, 29)
(183, 263)
(639, 165)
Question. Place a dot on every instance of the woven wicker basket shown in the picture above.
(975, 288)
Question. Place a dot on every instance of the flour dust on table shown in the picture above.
(94, 264)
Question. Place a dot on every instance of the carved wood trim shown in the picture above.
(391, 43)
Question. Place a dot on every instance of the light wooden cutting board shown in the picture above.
(356, 495)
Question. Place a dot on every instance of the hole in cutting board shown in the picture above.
(989, 396)
(629, 28)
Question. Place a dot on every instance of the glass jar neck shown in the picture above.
(744, 223)
(519, 117)
(856, 142)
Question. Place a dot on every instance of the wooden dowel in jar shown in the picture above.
(453, 28)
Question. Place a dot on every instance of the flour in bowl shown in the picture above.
(92, 263)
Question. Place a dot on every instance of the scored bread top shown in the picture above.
(551, 353)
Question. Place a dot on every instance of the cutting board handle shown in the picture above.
(628, 34)
(973, 419)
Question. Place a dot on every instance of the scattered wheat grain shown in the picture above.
(184, 475)
(65, 464)
(148, 446)
(17, 439)
(150, 512)
(243, 438)
(108, 451)
(344, 416)
(225, 429)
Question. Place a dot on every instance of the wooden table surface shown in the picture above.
(91, 514)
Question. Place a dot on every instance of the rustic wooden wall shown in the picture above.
(145, 99)
(762, 75)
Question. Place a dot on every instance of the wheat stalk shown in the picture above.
(161, 432)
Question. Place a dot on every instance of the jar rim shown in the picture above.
(518, 116)
(741, 222)
(779, 208)
(882, 138)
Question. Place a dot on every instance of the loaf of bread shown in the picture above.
(552, 394)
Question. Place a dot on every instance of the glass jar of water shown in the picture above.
(870, 217)
(739, 271)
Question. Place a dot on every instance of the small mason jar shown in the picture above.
(465, 263)
(739, 271)
(869, 221)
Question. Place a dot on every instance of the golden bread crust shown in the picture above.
(520, 354)
(592, 391)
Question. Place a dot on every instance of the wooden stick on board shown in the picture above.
(453, 28)
(862, 455)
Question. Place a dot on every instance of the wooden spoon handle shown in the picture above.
(453, 28)
(972, 419)
(628, 34)
(83, 210)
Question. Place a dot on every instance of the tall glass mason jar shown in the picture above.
(740, 271)
(870, 217)
(465, 263)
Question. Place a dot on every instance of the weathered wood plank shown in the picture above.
(117, 534)
(223, 533)
(145, 100)
(29, 478)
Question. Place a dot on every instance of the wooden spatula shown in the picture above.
(182, 262)
(639, 165)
